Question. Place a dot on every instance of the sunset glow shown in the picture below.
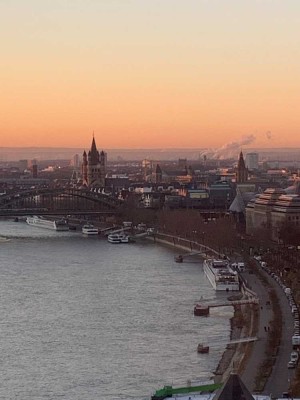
(149, 74)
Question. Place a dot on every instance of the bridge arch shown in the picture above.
(59, 199)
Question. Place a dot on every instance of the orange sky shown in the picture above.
(146, 74)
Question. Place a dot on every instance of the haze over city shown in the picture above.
(150, 74)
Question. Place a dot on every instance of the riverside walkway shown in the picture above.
(281, 376)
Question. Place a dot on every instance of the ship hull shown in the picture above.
(59, 226)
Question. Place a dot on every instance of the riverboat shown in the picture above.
(117, 238)
(201, 311)
(56, 225)
(202, 349)
(90, 230)
(221, 276)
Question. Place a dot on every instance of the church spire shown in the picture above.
(94, 154)
(242, 171)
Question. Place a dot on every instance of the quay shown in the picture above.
(248, 358)
(203, 309)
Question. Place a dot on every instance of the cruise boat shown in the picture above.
(56, 225)
(118, 238)
(89, 229)
(221, 276)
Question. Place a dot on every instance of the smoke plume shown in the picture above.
(229, 150)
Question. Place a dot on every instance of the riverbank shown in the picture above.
(242, 323)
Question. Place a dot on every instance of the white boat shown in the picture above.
(221, 276)
(118, 238)
(56, 225)
(89, 229)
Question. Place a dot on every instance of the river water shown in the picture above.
(85, 319)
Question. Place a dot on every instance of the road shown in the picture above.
(281, 375)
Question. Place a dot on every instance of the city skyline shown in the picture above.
(141, 74)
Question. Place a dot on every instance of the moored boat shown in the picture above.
(56, 225)
(90, 230)
(221, 276)
(202, 349)
(201, 311)
(118, 238)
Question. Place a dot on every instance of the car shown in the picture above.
(291, 364)
(294, 356)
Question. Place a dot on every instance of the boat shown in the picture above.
(179, 258)
(56, 225)
(201, 311)
(221, 276)
(89, 229)
(190, 390)
(202, 349)
(4, 239)
(118, 238)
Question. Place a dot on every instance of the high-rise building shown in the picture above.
(75, 161)
(94, 166)
(251, 161)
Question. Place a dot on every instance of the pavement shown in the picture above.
(281, 376)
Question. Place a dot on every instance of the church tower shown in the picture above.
(94, 166)
(242, 171)
(158, 174)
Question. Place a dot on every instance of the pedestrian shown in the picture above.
(265, 328)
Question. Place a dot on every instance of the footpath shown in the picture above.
(281, 376)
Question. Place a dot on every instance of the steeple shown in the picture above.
(94, 166)
(241, 163)
(158, 174)
(93, 147)
(94, 154)
(242, 171)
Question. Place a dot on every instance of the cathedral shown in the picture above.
(94, 167)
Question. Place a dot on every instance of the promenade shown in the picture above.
(281, 376)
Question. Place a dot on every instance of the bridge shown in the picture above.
(58, 201)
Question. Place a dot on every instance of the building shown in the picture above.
(158, 174)
(75, 161)
(221, 194)
(94, 166)
(242, 171)
(271, 210)
(251, 161)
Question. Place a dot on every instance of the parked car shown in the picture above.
(291, 364)
(294, 356)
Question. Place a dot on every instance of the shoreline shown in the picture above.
(229, 361)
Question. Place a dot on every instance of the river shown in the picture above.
(83, 319)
